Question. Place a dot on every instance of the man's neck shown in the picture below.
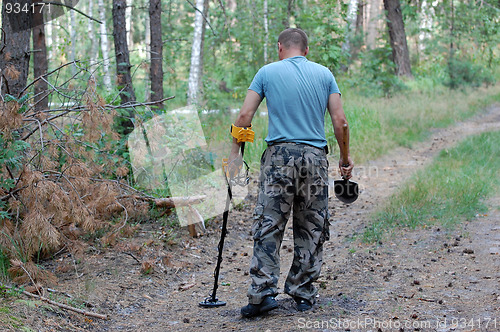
(291, 52)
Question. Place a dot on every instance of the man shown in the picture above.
(294, 170)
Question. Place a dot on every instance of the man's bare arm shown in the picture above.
(338, 120)
(244, 119)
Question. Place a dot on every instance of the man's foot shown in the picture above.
(302, 304)
(252, 310)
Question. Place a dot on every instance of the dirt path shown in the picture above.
(431, 279)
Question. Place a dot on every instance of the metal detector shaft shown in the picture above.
(212, 301)
(221, 241)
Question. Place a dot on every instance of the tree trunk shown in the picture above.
(156, 69)
(360, 18)
(194, 81)
(147, 40)
(91, 34)
(72, 33)
(40, 64)
(49, 37)
(286, 20)
(351, 21)
(123, 76)
(359, 29)
(202, 48)
(104, 45)
(373, 19)
(397, 37)
(129, 22)
(266, 32)
(15, 48)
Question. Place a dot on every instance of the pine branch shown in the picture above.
(60, 305)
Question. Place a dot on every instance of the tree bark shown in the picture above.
(72, 33)
(360, 18)
(156, 69)
(397, 35)
(104, 45)
(15, 48)
(351, 21)
(194, 80)
(123, 76)
(40, 64)
(372, 28)
(91, 34)
(130, 23)
(266, 32)
(147, 40)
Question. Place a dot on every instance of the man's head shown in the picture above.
(292, 42)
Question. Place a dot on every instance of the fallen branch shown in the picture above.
(426, 300)
(172, 202)
(60, 305)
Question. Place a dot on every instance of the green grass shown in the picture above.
(377, 125)
(452, 189)
(4, 266)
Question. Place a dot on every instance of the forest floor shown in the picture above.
(428, 279)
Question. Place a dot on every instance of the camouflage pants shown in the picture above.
(293, 177)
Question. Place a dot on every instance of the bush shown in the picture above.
(466, 73)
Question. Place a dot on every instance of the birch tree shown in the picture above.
(91, 33)
(373, 19)
(72, 34)
(351, 21)
(266, 31)
(104, 45)
(147, 41)
(194, 80)
(129, 23)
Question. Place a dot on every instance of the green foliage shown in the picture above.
(376, 75)
(12, 152)
(325, 27)
(466, 73)
(4, 265)
(450, 190)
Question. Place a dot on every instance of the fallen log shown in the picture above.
(172, 202)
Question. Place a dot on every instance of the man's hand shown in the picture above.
(346, 172)
(234, 165)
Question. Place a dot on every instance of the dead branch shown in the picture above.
(47, 74)
(11, 193)
(70, 7)
(204, 17)
(172, 202)
(60, 305)
(140, 104)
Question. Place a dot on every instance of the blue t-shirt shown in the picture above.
(297, 92)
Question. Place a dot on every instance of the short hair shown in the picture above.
(293, 37)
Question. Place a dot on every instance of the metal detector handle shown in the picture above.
(345, 139)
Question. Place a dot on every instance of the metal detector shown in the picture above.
(241, 179)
